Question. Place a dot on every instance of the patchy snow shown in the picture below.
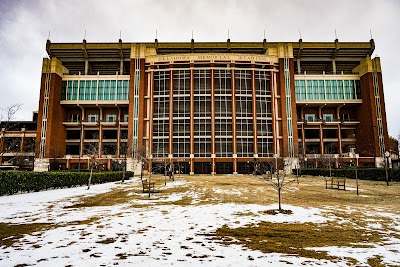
(160, 234)
(227, 192)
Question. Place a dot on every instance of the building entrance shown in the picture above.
(202, 168)
(224, 167)
(181, 167)
(245, 167)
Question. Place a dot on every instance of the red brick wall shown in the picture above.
(367, 131)
(56, 134)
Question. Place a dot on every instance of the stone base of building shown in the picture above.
(290, 164)
(380, 162)
(133, 165)
(41, 165)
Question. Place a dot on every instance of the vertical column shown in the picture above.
(334, 66)
(234, 143)
(254, 110)
(51, 132)
(151, 109)
(118, 152)
(213, 170)
(340, 140)
(171, 112)
(191, 118)
(137, 105)
(82, 140)
(100, 152)
(131, 108)
(274, 109)
(298, 66)
(282, 103)
(86, 66)
(22, 143)
(321, 139)
(303, 140)
(372, 135)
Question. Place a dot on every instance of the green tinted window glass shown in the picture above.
(81, 90)
(75, 90)
(297, 89)
(321, 89)
(126, 90)
(101, 90)
(303, 89)
(358, 89)
(347, 89)
(113, 89)
(309, 90)
(64, 91)
(315, 89)
(88, 90)
(340, 89)
(334, 89)
(69, 90)
(94, 90)
(351, 89)
(119, 90)
(328, 89)
(107, 85)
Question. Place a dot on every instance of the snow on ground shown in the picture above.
(152, 235)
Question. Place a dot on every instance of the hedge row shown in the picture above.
(373, 174)
(12, 182)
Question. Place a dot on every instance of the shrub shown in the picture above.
(12, 182)
(373, 174)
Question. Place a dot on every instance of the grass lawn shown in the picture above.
(201, 219)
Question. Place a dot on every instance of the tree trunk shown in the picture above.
(90, 177)
(279, 196)
(123, 173)
(150, 170)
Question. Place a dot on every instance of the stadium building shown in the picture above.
(211, 107)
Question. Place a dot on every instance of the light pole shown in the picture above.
(387, 154)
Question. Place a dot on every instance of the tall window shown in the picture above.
(202, 113)
(181, 126)
(223, 112)
(161, 114)
(264, 114)
(327, 89)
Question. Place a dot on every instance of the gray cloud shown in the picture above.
(24, 27)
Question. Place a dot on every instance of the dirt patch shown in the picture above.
(106, 241)
(277, 211)
(11, 233)
(297, 239)
(376, 261)
(114, 197)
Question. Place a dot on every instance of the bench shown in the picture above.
(147, 186)
(335, 183)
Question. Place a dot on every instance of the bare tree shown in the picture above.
(276, 176)
(92, 151)
(143, 157)
(22, 160)
(7, 123)
(328, 158)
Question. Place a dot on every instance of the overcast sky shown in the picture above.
(25, 26)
